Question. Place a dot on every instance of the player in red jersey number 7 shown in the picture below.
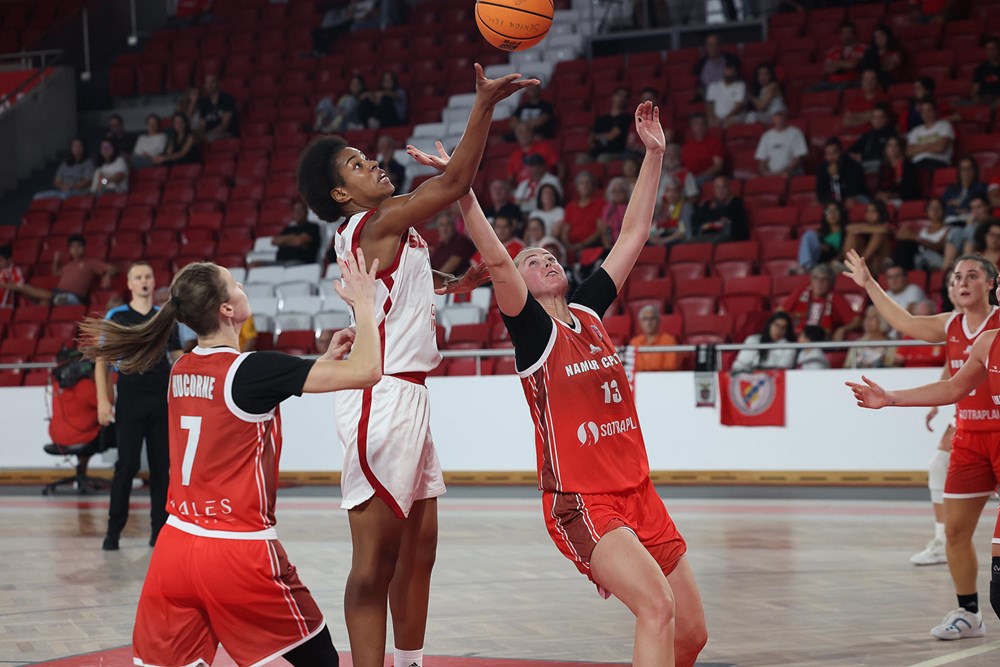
(601, 509)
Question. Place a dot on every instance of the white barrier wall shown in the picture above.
(482, 424)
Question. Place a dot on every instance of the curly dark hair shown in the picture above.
(317, 176)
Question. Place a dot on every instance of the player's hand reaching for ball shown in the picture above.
(869, 394)
(647, 126)
(357, 286)
(492, 91)
(439, 162)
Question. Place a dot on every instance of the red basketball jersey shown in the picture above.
(223, 461)
(587, 435)
(976, 412)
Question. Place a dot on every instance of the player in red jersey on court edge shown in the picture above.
(218, 573)
(601, 508)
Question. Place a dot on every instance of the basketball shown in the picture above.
(514, 25)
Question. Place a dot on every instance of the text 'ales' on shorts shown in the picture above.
(576, 522)
(974, 468)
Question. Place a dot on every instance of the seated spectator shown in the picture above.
(958, 196)
(900, 290)
(9, 275)
(149, 145)
(874, 328)
(923, 12)
(869, 148)
(452, 252)
(74, 174)
(385, 106)
(777, 330)
(840, 64)
(859, 110)
(502, 203)
(986, 78)
(924, 248)
(884, 55)
(579, 229)
(610, 130)
(534, 232)
(182, 145)
(189, 104)
(299, 241)
(549, 208)
(616, 197)
(218, 112)
(921, 356)
(672, 218)
(675, 172)
(872, 238)
(529, 144)
(840, 178)
(709, 69)
(526, 193)
(75, 418)
(122, 139)
(923, 90)
(504, 229)
(897, 177)
(781, 149)
(534, 112)
(722, 218)
(701, 154)
(827, 243)
(817, 304)
(630, 171)
(987, 240)
(385, 154)
(342, 18)
(75, 277)
(979, 217)
(726, 99)
(649, 325)
(930, 144)
(766, 98)
(813, 358)
(344, 115)
(111, 173)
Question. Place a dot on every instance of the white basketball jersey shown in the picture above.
(404, 300)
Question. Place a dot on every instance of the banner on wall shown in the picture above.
(704, 376)
(753, 399)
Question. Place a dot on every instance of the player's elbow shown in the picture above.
(370, 377)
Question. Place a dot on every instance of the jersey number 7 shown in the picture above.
(193, 426)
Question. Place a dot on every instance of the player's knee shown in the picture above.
(957, 533)
(657, 606)
(937, 472)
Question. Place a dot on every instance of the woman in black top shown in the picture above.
(182, 145)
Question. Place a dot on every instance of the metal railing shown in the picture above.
(40, 61)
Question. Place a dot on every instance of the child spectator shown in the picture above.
(299, 241)
(610, 130)
(702, 154)
(874, 328)
(721, 219)
(549, 208)
(781, 148)
(872, 238)
(931, 143)
(218, 112)
(111, 174)
(9, 275)
(344, 115)
(766, 98)
(897, 177)
(726, 99)
(959, 195)
(840, 179)
(649, 325)
(534, 112)
(840, 64)
(817, 304)
(858, 111)
(884, 55)
(869, 148)
(672, 219)
(778, 329)
(986, 78)
(813, 358)
(826, 244)
(149, 145)
(386, 106)
(75, 277)
(182, 145)
(616, 196)
(74, 174)
(579, 229)
(526, 193)
(453, 251)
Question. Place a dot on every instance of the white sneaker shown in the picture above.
(933, 554)
(960, 624)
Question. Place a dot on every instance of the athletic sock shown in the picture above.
(408, 658)
(939, 531)
(969, 602)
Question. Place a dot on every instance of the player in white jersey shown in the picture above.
(391, 475)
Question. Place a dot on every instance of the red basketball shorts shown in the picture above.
(202, 591)
(974, 469)
(576, 522)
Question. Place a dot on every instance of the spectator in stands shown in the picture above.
(149, 145)
(579, 229)
(529, 144)
(930, 144)
(874, 328)
(502, 202)
(649, 324)
(766, 98)
(674, 171)
(452, 252)
(726, 99)
(190, 104)
(111, 173)
(869, 148)
(672, 219)
(986, 78)
(534, 232)
(218, 112)
(924, 248)
(722, 218)
(777, 330)
(630, 170)
(616, 197)
(817, 304)
(534, 112)
(75, 277)
(781, 148)
(897, 177)
(840, 64)
(549, 208)
(987, 240)
(923, 90)
(872, 238)
(859, 110)
(701, 154)
(610, 130)
(959, 195)
(840, 178)
(182, 144)
(827, 243)
(526, 193)
(931, 11)
(710, 68)
(813, 358)
(503, 227)
(386, 106)
(339, 19)
(900, 290)
(979, 217)
(344, 115)
(299, 241)
(74, 174)
(884, 55)
(122, 139)
(385, 154)
(9, 275)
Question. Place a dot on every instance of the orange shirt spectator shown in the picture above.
(649, 324)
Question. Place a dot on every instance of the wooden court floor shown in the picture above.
(785, 582)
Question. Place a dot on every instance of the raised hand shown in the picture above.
(476, 276)
(869, 394)
(492, 91)
(857, 270)
(438, 162)
(647, 125)
(358, 282)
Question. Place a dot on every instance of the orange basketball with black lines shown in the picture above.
(514, 25)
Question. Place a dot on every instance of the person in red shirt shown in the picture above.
(503, 227)
(858, 110)
(701, 154)
(818, 305)
(9, 275)
(840, 64)
(579, 228)
(527, 144)
(75, 277)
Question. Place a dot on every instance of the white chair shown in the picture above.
(500, 70)
(292, 322)
(332, 303)
(263, 322)
(263, 305)
(295, 288)
(560, 54)
(266, 274)
(332, 271)
(332, 321)
(258, 289)
(306, 272)
(467, 100)
(521, 58)
(239, 273)
(301, 304)
(460, 313)
(566, 40)
(262, 251)
(560, 29)
(452, 115)
(431, 130)
(482, 297)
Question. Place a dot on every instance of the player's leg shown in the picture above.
(626, 569)
(937, 473)
(130, 420)
(961, 517)
(410, 590)
(690, 632)
(316, 652)
(158, 451)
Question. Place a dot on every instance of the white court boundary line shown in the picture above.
(960, 655)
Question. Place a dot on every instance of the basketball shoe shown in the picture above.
(933, 554)
(960, 624)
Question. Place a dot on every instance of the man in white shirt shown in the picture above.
(901, 291)
(725, 100)
(149, 145)
(931, 144)
(781, 149)
(526, 194)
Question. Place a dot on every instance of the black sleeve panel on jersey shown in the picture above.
(597, 292)
(530, 331)
(265, 379)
